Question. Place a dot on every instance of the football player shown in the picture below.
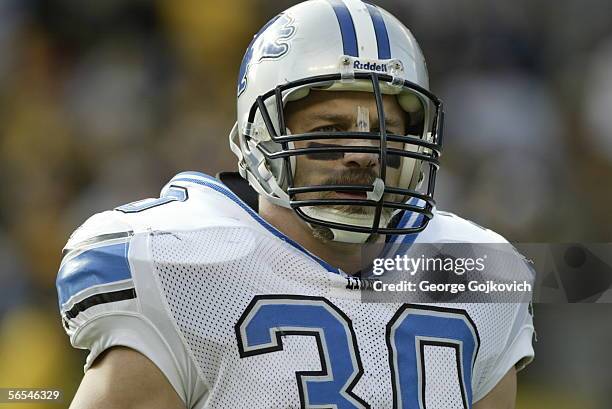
(221, 295)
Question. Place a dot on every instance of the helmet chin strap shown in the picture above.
(338, 216)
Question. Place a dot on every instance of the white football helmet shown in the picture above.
(339, 45)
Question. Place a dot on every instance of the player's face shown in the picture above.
(334, 111)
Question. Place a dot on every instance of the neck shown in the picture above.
(346, 256)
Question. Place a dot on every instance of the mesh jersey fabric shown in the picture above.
(208, 283)
(197, 265)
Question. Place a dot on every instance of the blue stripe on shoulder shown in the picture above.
(100, 265)
(380, 29)
(347, 27)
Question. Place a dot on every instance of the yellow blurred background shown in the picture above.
(102, 102)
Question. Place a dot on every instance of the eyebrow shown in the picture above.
(349, 119)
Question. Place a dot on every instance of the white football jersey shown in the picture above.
(237, 315)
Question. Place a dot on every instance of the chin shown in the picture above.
(322, 234)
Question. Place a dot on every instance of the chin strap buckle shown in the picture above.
(378, 192)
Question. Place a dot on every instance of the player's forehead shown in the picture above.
(338, 104)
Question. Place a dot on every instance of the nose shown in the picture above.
(360, 159)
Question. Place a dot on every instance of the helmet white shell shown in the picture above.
(319, 38)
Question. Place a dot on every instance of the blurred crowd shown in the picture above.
(102, 102)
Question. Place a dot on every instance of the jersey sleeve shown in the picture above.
(513, 350)
(108, 297)
(508, 331)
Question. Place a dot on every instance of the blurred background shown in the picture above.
(102, 102)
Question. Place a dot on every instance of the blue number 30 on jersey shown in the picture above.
(268, 318)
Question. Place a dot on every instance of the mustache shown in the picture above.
(359, 176)
(352, 177)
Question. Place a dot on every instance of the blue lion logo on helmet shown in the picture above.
(269, 43)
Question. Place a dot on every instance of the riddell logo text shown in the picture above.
(370, 66)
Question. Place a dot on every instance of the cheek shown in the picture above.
(310, 170)
(393, 176)
(307, 172)
(394, 163)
